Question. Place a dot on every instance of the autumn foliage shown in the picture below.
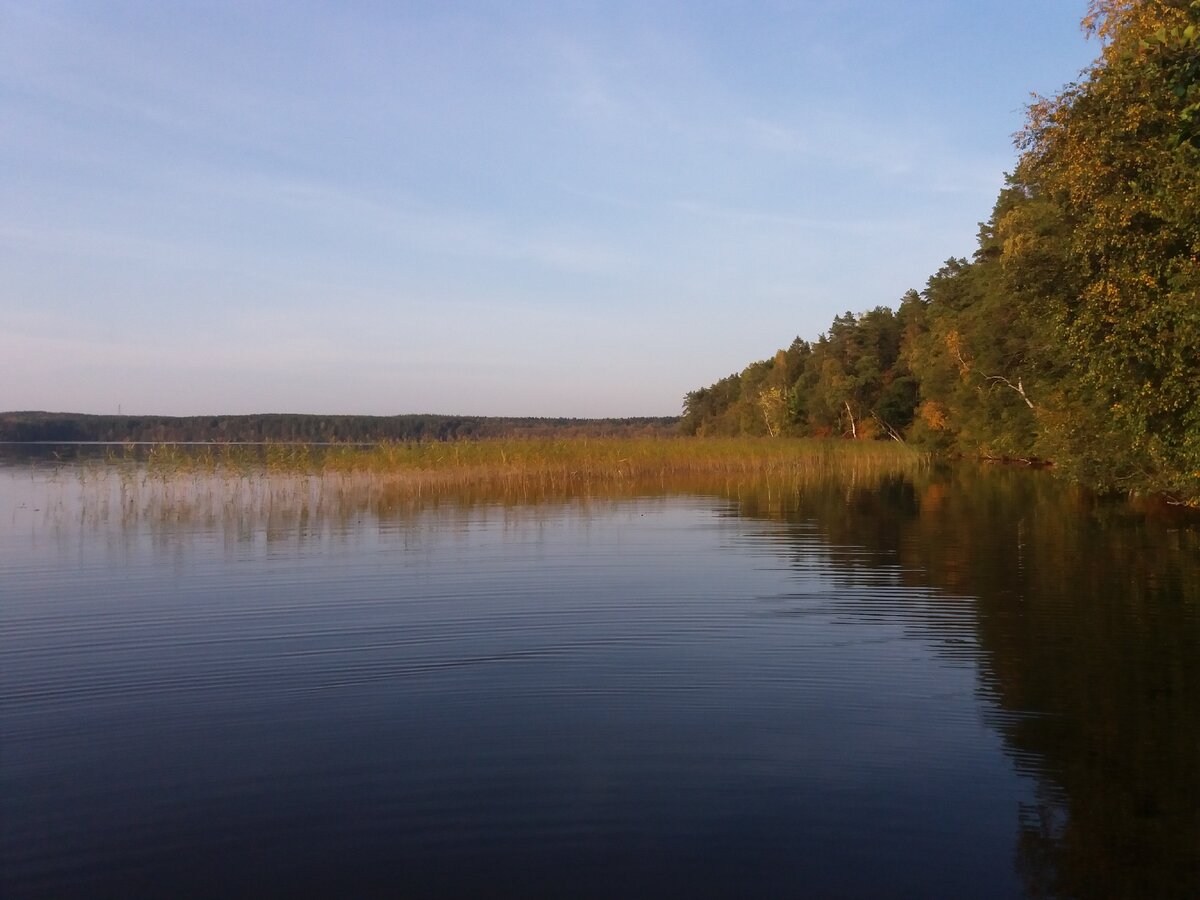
(1073, 334)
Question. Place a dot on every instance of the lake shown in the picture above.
(968, 682)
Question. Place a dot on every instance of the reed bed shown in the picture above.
(543, 461)
(179, 483)
(293, 489)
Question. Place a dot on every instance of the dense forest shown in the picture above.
(1073, 334)
(286, 427)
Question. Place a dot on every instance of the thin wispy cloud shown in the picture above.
(628, 198)
(765, 219)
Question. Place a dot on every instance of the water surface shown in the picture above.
(968, 683)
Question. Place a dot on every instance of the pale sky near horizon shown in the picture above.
(495, 208)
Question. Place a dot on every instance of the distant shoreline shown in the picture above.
(38, 427)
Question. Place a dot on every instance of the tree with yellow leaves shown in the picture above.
(1106, 250)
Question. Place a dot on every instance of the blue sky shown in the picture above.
(559, 209)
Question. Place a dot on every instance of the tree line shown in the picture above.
(296, 428)
(1073, 333)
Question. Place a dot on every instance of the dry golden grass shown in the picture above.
(291, 488)
(538, 461)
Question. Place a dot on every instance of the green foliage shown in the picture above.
(1074, 332)
(1113, 163)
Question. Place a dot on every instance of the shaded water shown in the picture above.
(966, 683)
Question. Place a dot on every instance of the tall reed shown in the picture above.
(560, 460)
(298, 486)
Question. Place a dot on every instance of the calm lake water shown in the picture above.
(968, 683)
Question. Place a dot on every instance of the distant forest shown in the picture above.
(285, 427)
(1073, 334)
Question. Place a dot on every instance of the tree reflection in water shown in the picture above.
(1085, 616)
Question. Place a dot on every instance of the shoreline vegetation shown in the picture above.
(1073, 333)
(301, 489)
(552, 462)
(295, 482)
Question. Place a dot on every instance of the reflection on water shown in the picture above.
(969, 683)
(1084, 621)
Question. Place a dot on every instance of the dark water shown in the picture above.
(977, 683)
